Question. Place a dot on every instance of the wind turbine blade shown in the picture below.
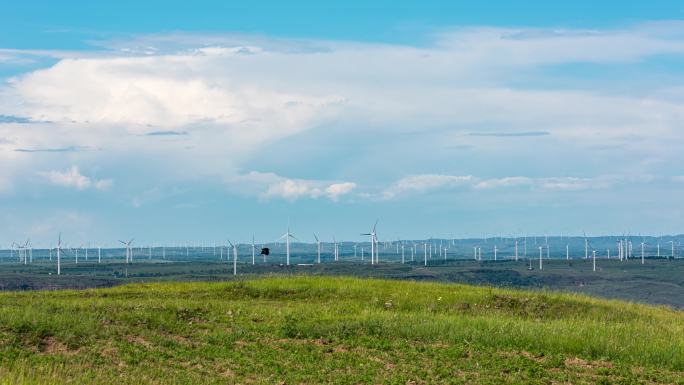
(314, 234)
(376, 223)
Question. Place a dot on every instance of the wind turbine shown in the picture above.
(374, 239)
(425, 253)
(59, 251)
(318, 248)
(253, 251)
(19, 247)
(287, 237)
(129, 250)
(336, 250)
(516, 249)
(540, 258)
(25, 248)
(234, 246)
(77, 252)
(586, 246)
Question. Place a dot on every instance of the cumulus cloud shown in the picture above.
(72, 177)
(165, 91)
(214, 103)
(270, 185)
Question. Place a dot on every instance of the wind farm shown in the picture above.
(341, 192)
(579, 263)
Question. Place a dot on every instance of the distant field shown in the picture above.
(315, 330)
(658, 281)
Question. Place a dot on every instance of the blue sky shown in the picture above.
(173, 121)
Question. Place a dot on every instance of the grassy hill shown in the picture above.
(333, 330)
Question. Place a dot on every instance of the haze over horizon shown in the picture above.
(167, 122)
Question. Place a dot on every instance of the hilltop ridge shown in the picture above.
(333, 330)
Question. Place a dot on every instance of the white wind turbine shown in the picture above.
(59, 252)
(26, 248)
(253, 251)
(516, 248)
(287, 237)
(234, 246)
(374, 239)
(540, 258)
(335, 251)
(425, 254)
(19, 248)
(318, 247)
(129, 250)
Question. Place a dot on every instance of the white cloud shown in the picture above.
(335, 190)
(426, 182)
(430, 183)
(236, 97)
(165, 91)
(72, 177)
(270, 185)
(510, 181)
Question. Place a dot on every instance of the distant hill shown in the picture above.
(316, 330)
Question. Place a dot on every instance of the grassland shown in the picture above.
(658, 281)
(305, 329)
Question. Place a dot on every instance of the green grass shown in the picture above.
(658, 282)
(333, 330)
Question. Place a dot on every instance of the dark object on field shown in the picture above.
(265, 251)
